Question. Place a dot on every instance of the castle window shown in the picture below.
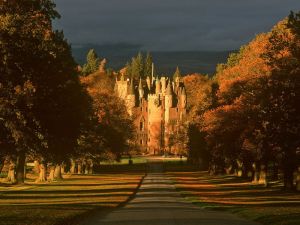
(146, 109)
(141, 109)
(141, 126)
(141, 141)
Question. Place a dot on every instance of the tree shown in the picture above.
(128, 70)
(23, 24)
(60, 94)
(44, 98)
(198, 153)
(282, 56)
(137, 67)
(200, 91)
(256, 119)
(240, 81)
(148, 66)
(111, 128)
(92, 63)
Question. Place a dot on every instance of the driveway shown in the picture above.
(158, 203)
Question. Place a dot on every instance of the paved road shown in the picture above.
(158, 203)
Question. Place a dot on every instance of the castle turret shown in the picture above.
(182, 103)
(177, 76)
(157, 86)
(141, 90)
(148, 81)
(169, 90)
(183, 98)
(163, 85)
(122, 77)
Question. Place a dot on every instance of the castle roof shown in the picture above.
(140, 84)
(183, 91)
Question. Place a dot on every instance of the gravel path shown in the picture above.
(158, 203)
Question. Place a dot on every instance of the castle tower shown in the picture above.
(183, 103)
(154, 124)
(121, 88)
(183, 99)
(157, 86)
(130, 98)
(163, 85)
(168, 102)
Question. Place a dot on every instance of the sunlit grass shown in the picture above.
(125, 161)
(145, 159)
(266, 205)
(66, 201)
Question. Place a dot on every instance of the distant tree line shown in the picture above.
(246, 119)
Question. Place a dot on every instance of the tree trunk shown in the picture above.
(11, 175)
(63, 168)
(263, 175)
(275, 171)
(79, 168)
(36, 168)
(240, 169)
(256, 173)
(57, 172)
(245, 171)
(288, 178)
(91, 168)
(51, 173)
(20, 169)
(2, 162)
(289, 167)
(212, 170)
(42, 172)
(86, 168)
(73, 167)
(298, 179)
(228, 170)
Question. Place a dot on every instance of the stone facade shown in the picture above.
(158, 106)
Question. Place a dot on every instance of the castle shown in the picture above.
(158, 106)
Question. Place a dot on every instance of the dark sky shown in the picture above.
(170, 24)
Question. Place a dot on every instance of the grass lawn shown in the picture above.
(265, 205)
(68, 201)
(145, 159)
(125, 161)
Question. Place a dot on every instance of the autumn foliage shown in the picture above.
(251, 123)
(109, 121)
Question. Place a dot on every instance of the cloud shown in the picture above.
(170, 24)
